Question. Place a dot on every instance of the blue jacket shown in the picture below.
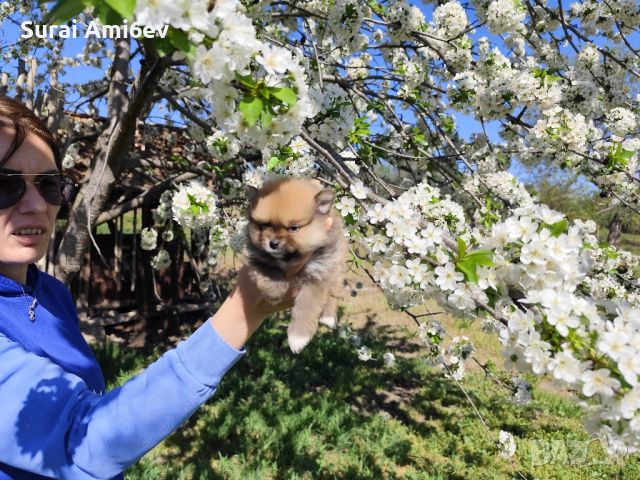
(56, 420)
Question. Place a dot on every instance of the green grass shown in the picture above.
(630, 242)
(127, 226)
(326, 415)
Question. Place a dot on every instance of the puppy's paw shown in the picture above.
(328, 321)
(298, 339)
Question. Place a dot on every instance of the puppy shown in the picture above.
(291, 220)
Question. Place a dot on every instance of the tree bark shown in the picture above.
(55, 106)
(615, 230)
(4, 83)
(117, 98)
(108, 163)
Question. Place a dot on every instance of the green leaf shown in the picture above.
(285, 95)
(462, 247)
(420, 139)
(64, 11)
(376, 7)
(546, 75)
(349, 220)
(480, 257)
(266, 117)
(272, 163)
(251, 108)
(124, 7)
(448, 124)
(462, 96)
(559, 228)
(468, 267)
(180, 40)
(493, 297)
(175, 40)
(107, 15)
(468, 261)
(196, 206)
(360, 129)
(247, 81)
(610, 253)
(163, 46)
(626, 154)
(618, 157)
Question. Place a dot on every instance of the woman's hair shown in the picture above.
(23, 121)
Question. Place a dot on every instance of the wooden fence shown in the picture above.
(117, 284)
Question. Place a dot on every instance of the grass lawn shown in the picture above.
(327, 415)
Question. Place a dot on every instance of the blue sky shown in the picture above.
(467, 125)
(10, 33)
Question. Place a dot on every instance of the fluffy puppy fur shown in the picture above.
(288, 220)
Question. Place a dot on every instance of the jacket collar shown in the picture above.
(11, 287)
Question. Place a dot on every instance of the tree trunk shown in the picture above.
(4, 84)
(55, 105)
(615, 231)
(107, 164)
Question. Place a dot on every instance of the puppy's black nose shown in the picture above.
(274, 243)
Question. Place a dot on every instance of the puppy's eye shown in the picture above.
(293, 228)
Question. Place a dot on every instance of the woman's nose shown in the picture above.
(32, 201)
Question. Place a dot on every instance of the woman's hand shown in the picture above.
(256, 304)
(244, 310)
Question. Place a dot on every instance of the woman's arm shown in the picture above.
(52, 424)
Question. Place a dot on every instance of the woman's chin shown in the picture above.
(27, 255)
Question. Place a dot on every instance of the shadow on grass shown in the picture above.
(324, 414)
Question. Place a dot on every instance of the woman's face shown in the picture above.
(17, 249)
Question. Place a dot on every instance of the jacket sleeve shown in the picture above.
(53, 425)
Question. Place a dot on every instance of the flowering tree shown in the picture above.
(366, 94)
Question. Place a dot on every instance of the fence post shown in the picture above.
(117, 253)
(134, 251)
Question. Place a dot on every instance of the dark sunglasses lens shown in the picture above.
(11, 190)
(50, 188)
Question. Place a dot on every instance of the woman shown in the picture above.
(55, 418)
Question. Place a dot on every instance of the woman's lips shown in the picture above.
(31, 240)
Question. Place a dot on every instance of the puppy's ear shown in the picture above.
(252, 193)
(324, 201)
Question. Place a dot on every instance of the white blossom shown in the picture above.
(507, 444)
(148, 238)
(599, 382)
(364, 354)
(389, 359)
(194, 206)
(447, 277)
(621, 121)
(359, 190)
(161, 260)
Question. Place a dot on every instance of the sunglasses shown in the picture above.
(54, 188)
